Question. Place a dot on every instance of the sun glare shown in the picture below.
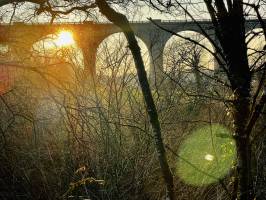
(65, 38)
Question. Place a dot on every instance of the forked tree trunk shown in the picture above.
(230, 31)
(240, 78)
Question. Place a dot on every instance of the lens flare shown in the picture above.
(206, 156)
(209, 157)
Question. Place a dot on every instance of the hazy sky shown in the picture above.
(141, 12)
(25, 12)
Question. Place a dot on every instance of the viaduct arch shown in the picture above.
(88, 36)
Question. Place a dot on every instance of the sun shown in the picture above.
(64, 38)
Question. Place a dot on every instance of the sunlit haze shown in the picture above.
(157, 100)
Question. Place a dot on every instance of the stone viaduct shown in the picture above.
(89, 35)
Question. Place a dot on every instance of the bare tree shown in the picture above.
(228, 19)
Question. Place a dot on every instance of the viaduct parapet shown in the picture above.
(89, 35)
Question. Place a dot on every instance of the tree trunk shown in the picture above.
(230, 31)
(261, 169)
(240, 115)
(121, 21)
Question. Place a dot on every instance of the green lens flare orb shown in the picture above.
(206, 156)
